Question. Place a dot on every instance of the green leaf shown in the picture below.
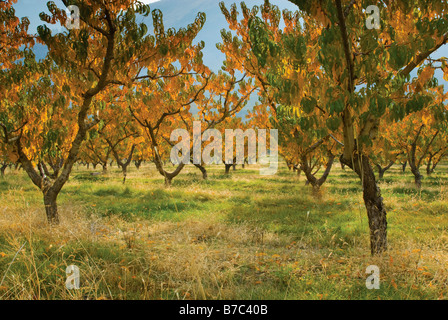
(333, 123)
(336, 106)
(308, 104)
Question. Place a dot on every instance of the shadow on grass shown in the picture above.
(412, 191)
(345, 189)
(4, 185)
(328, 224)
(90, 178)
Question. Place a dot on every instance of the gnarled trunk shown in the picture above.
(169, 176)
(51, 208)
(429, 169)
(403, 166)
(373, 202)
(168, 181)
(123, 165)
(416, 172)
(138, 163)
(414, 162)
(2, 169)
(124, 169)
(417, 178)
(382, 170)
(311, 177)
(433, 161)
(203, 170)
(160, 163)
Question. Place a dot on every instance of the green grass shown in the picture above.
(237, 236)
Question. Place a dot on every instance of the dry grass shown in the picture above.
(231, 240)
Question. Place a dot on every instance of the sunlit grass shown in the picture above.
(237, 236)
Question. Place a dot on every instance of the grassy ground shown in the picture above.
(242, 236)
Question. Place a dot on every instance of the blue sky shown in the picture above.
(176, 13)
(179, 13)
(173, 17)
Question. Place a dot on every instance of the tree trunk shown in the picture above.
(168, 175)
(415, 163)
(373, 202)
(51, 208)
(381, 173)
(375, 212)
(138, 164)
(120, 163)
(203, 170)
(417, 175)
(168, 181)
(381, 170)
(403, 166)
(417, 179)
(104, 168)
(428, 167)
(432, 162)
(2, 169)
(124, 169)
(310, 176)
(317, 193)
(159, 163)
(228, 166)
(434, 165)
(355, 159)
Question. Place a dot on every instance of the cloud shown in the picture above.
(149, 1)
